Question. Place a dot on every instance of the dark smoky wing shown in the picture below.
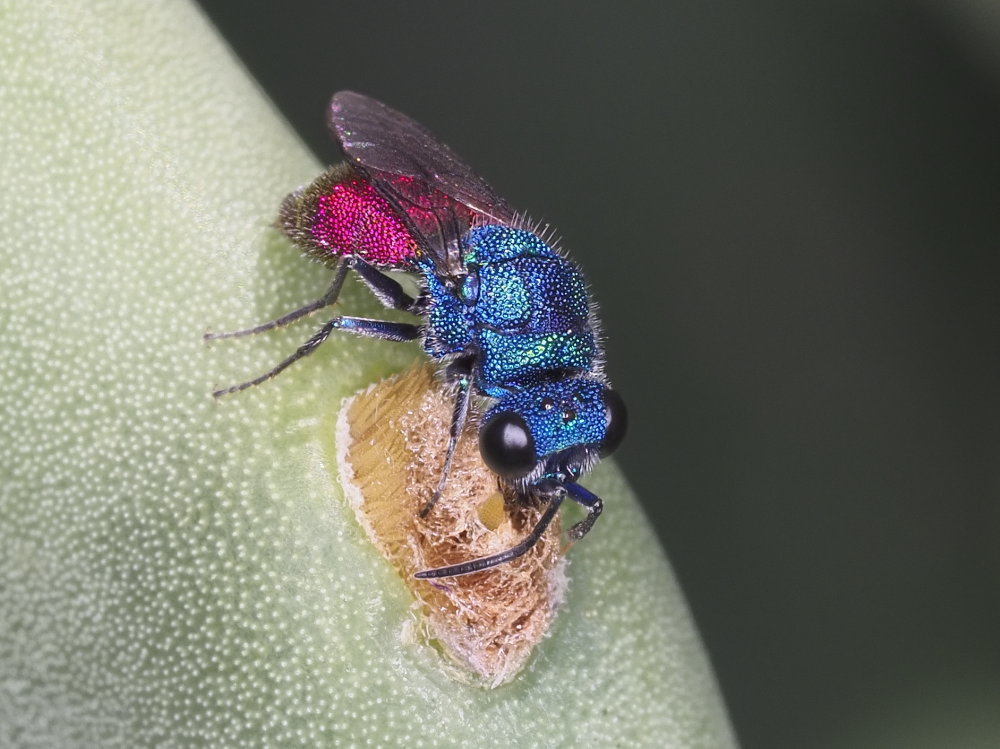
(379, 139)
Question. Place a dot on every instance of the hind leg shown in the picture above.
(385, 289)
(383, 329)
(328, 298)
(388, 291)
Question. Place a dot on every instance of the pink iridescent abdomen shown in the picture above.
(340, 214)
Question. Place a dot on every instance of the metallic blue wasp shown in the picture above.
(509, 318)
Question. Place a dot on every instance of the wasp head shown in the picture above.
(554, 430)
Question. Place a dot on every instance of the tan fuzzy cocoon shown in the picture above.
(392, 442)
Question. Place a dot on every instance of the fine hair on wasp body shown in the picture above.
(508, 316)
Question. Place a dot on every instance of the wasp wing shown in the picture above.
(423, 178)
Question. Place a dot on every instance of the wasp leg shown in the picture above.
(383, 329)
(461, 373)
(385, 289)
(328, 298)
(484, 563)
(594, 505)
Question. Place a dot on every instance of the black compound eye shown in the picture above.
(615, 422)
(507, 446)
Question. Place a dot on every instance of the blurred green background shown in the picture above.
(790, 213)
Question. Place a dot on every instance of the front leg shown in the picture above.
(594, 505)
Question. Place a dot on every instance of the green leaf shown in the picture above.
(176, 570)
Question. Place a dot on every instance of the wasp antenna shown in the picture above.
(485, 563)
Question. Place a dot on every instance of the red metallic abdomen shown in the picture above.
(341, 214)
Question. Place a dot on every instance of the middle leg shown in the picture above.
(459, 372)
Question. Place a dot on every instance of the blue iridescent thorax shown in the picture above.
(522, 306)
